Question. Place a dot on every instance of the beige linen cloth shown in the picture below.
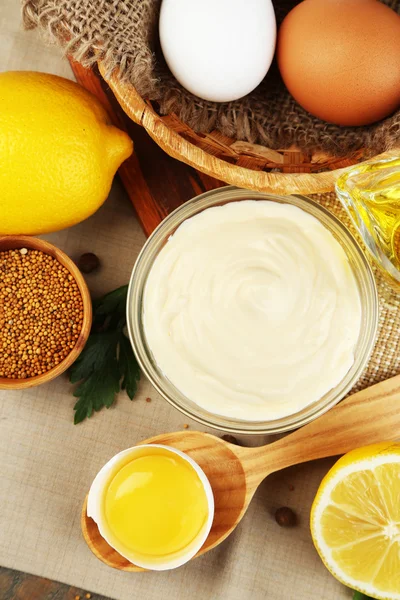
(47, 463)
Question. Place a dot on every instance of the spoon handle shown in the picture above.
(367, 417)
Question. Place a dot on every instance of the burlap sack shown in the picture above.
(123, 33)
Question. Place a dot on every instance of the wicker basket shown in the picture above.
(251, 166)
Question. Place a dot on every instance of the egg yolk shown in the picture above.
(155, 505)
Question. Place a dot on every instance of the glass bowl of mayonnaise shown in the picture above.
(252, 313)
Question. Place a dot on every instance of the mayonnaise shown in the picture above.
(252, 310)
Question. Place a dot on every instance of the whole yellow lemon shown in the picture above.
(58, 153)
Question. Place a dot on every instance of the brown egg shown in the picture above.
(340, 59)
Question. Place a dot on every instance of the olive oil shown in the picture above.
(371, 194)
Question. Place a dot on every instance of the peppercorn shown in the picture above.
(230, 439)
(41, 313)
(285, 517)
(88, 262)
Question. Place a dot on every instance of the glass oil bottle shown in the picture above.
(371, 195)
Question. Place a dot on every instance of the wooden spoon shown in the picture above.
(234, 472)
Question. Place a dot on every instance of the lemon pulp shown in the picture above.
(155, 504)
(355, 520)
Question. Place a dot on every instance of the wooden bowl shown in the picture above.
(11, 242)
(238, 163)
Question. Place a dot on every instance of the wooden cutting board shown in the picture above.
(155, 182)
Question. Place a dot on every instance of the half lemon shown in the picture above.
(355, 520)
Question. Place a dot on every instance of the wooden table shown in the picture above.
(156, 185)
(15, 585)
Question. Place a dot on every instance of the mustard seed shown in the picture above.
(33, 309)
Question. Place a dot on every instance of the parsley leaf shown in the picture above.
(111, 305)
(97, 352)
(361, 596)
(106, 359)
(129, 369)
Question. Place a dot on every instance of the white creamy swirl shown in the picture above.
(252, 310)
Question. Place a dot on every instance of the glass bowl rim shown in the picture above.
(143, 264)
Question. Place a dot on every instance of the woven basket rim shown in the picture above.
(142, 113)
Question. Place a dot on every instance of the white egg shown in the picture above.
(219, 50)
(95, 509)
